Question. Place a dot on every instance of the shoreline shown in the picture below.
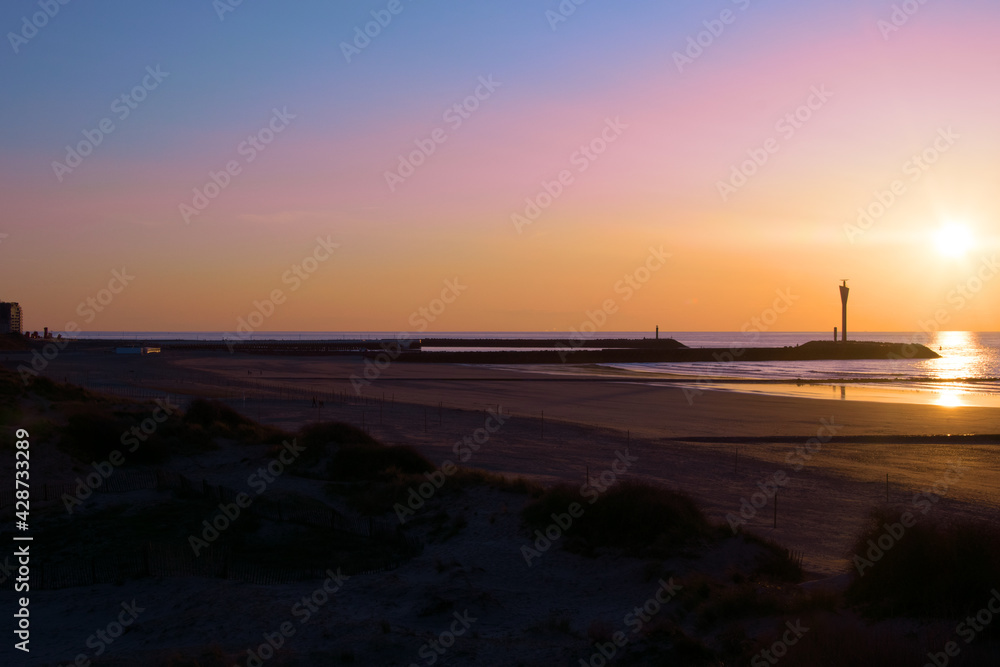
(836, 462)
(713, 445)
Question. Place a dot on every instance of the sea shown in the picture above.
(966, 374)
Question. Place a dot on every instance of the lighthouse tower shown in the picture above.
(844, 289)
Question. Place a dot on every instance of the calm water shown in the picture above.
(968, 372)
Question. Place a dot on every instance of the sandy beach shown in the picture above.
(724, 449)
(688, 438)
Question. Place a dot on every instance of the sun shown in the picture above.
(953, 240)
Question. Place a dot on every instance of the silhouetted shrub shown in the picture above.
(92, 436)
(631, 515)
(932, 568)
(10, 384)
(359, 462)
(93, 431)
(219, 420)
(322, 439)
(58, 391)
(325, 433)
(836, 640)
(209, 413)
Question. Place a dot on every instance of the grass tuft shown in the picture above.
(634, 516)
(937, 569)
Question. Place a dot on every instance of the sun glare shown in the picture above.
(953, 240)
(950, 399)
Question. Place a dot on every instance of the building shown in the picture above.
(10, 318)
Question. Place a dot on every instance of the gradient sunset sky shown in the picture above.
(889, 95)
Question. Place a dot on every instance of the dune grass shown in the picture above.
(341, 452)
(219, 420)
(936, 568)
(367, 462)
(637, 517)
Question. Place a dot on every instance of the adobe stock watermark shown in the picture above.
(31, 25)
(923, 502)
(751, 328)
(303, 610)
(455, 116)
(900, 16)
(591, 490)
(915, 167)
(581, 159)
(968, 630)
(627, 287)
(464, 450)
(88, 309)
(432, 651)
(562, 12)
(259, 482)
(122, 107)
(698, 44)
(779, 649)
(964, 292)
(103, 638)
(958, 298)
(223, 7)
(248, 149)
(294, 276)
(131, 438)
(363, 35)
(768, 487)
(787, 126)
(421, 319)
(636, 620)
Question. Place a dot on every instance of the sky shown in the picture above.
(413, 165)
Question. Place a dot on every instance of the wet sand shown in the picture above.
(588, 419)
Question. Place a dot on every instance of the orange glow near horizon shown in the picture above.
(886, 178)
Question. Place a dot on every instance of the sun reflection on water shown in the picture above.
(960, 356)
